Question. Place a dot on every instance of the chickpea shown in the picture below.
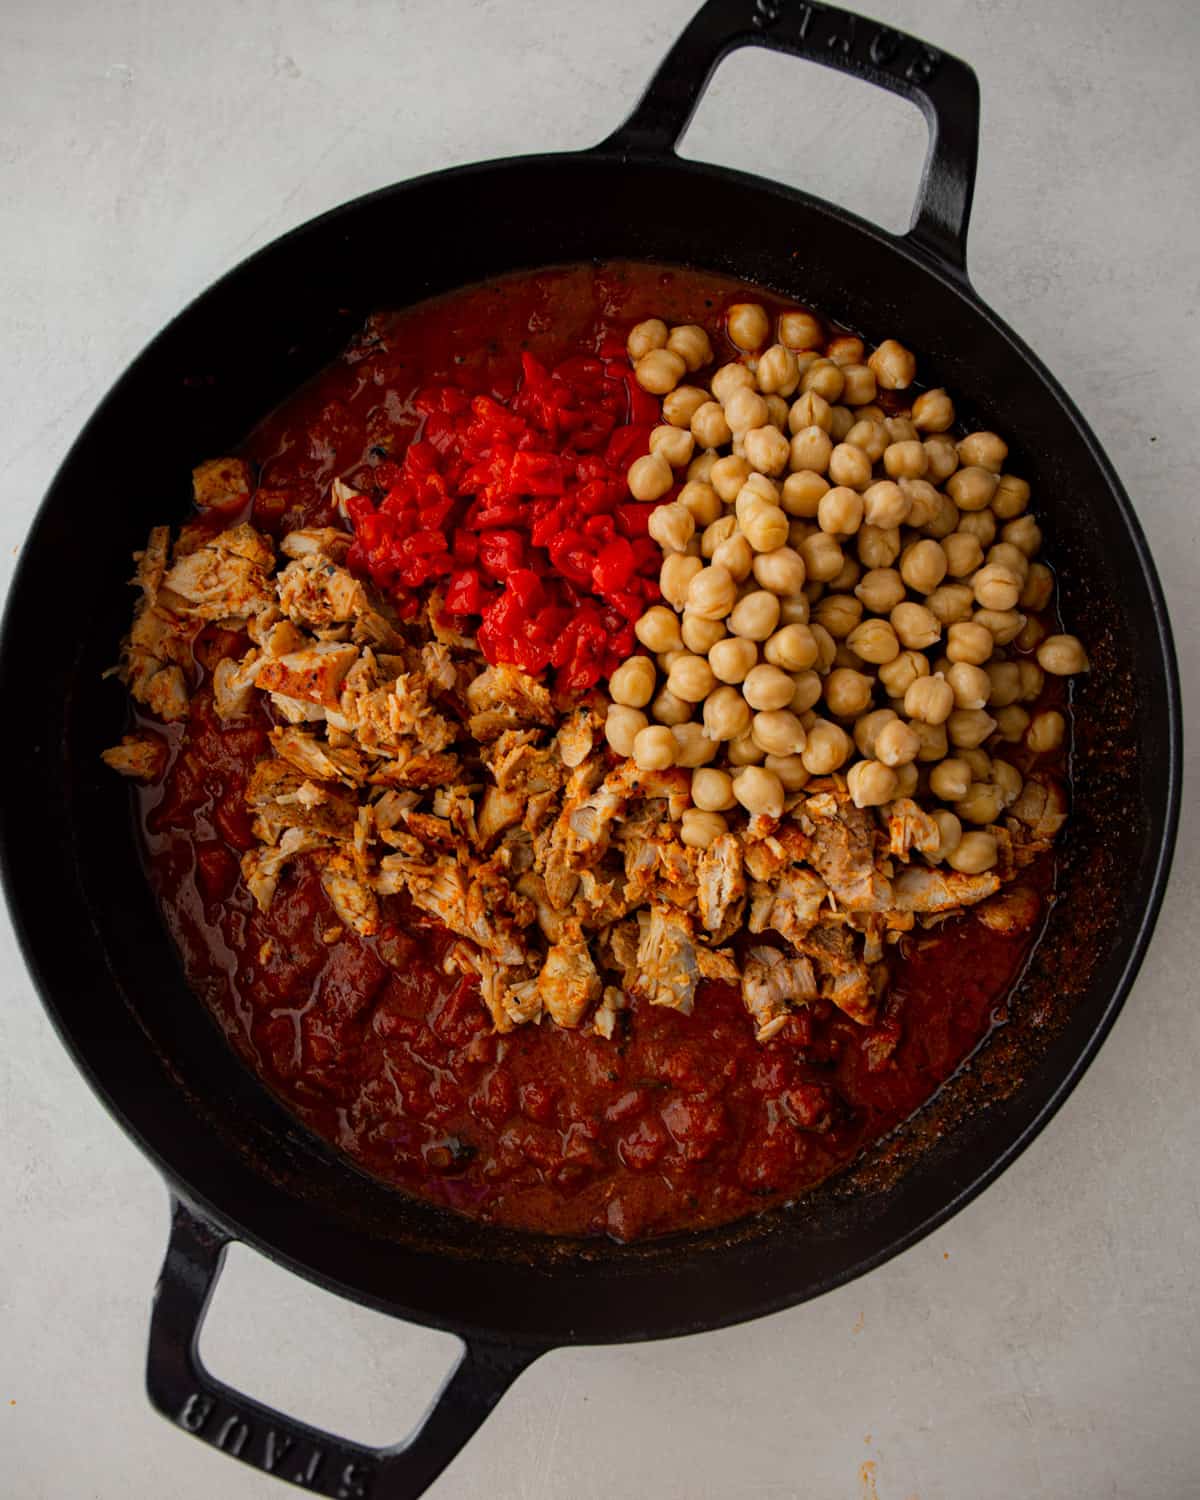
(845, 349)
(712, 790)
(897, 744)
(949, 831)
(711, 593)
(930, 699)
(917, 627)
(823, 558)
(886, 505)
(980, 524)
(728, 476)
(823, 377)
(755, 616)
(1033, 679)
(1004, 625)
(1011, 498)
(767, 449)
(841, 420)
(658, 629)
(894, 366)
(800, 330)
(908, 780)
(826, 647)
(969, 642)
(736, 556)
(905, 460)
(778, 372)
(923, 565)
(871, 784)
(945, 520)
(760, 792)
(996, 588)
(659, 371)
(765, 527)
(859, 386)
(980, 763)
(732, 658)
(849, 465)
(846, 578)
(719, 531)
(970, 684)
(745, 409)
(778, 732)
(726, 714)
(868, 727)
(621, 725)
(777, 411)
(744, 751)
(649, 477)
(964, 555)
(766, 688)
(983, 450)
(924, 502)
(844, 657)
(880, 590)
(806, 691)
(699, 635)
(699, 829)
(950, 779)
(709, 426)
(633, 682)
(1005, 679)
(1007, 555)
(677, 572)
(935, 743)
(1039, 586)
(941, 454)
(847, 692)
(691, 343)
(840, 511)
(690, 678)
(1046, 732)
(747, 325)
(827, 748)
(952, 602)
(667, 659)
(781, 572)
(971, 489)
(874, 641)
(789, 769)
(1032, 634)
(644, 337)
(976, 853)
(933, 411)
(878, 546)
(899, 674)
(1062, 655)
(810, 449)
(701, 466)
(672, 526)
(809, 410)
(692, 746)
(792, 648)
(981, 804)
(839, 614)
(675, 444)
(666, 708)
(1011, 723)
(654, 748)
(680, 405)
(969, 727)
(870, 436)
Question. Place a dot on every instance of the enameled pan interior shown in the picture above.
(90, 925)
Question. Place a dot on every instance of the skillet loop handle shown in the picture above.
(945, 89)
(185, 1393)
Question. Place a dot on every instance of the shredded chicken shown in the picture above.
(401, 768)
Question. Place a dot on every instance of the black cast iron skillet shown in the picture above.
(239, 1166)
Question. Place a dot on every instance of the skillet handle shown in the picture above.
(945, 89)
(185, 1393)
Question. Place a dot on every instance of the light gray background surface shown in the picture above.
(1043, 1344)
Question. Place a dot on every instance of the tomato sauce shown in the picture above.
(680, 1121)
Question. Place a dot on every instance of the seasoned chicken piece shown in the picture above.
(311, 676)
(842, 851)
(928, 890)
(519, 764)
(321, 541)
(589, 823)
(909, 827)
(444, 626)
(262, 868)
(297, 712)
(391, 806)
(316, 592)
(771, 984)
(225, 579)
(1010, 912)
(412, 769)
(509, 994)
(233, 686)
(666, 958)
(392, 717)
(577, 736)
(612, 1003)
(498, 810)
(141, 756)
(842, 976)
(720, 882)
(766, 856)
(468, 908)
(313, 758)
(166, 694)
(552, 922)
(600, 899)
(437, 668)
(502, 697)
(221, 483)
(158, 648)
(355, 903)
(717, 963)
(568, 983)
(281, 797)
(791, 906)
(1040, 809)
(456, 805)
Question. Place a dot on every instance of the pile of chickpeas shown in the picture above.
(848, 588)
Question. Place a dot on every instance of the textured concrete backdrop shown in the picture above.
(1044, 1343)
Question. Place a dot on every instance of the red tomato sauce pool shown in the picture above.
(684, 1122)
